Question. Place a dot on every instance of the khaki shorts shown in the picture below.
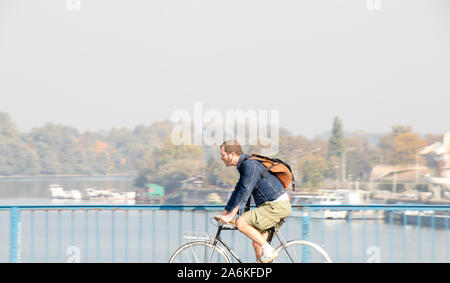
(268, 215)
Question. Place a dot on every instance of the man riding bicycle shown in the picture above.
(272, 201)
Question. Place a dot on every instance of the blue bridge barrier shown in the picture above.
(151, 233)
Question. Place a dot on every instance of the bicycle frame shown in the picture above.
(217, 238)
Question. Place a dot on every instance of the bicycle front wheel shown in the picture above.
(200, 252)
(299, 251)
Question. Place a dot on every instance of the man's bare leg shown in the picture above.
(257, 248)
(250, 231)
(258, 239)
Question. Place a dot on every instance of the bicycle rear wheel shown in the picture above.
(299, 251)
(199, 252)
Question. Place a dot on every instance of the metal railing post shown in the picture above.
(14, 216)
(140, 237)
(305, 234)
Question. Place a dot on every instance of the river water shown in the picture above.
(152, 235)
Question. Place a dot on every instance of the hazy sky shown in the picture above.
(121, 63)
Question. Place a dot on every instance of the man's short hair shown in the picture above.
(232, 146)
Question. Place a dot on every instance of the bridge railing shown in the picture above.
(150, 233)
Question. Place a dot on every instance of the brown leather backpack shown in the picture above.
(276, 166)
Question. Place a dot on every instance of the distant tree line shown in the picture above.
(56, 149)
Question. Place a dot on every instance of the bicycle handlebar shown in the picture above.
(232, 221)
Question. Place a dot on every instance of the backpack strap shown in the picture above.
(266, 170)
(247, 205)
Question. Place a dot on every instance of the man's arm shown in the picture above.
(244, 187)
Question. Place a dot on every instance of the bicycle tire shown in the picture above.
(186, 253)
(300, 251)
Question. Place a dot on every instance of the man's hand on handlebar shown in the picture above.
(227, 216)
(224, 219)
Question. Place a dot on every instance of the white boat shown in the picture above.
(75, 195)
(129, 195)
(108, 194)
(58, 192)
(335, 197)
(95, 194)
(329, 199)
(122, 195)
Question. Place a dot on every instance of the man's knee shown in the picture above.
(240, 223)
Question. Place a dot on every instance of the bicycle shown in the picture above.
(206, 250)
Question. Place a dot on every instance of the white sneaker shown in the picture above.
(268, 255)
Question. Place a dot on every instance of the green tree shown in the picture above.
(406, 146)
(362, 158)
(336, 141)
(170, 164)
(313, 172)
(50, 163)
(400, 145)
(7, 127)
(57, 147)
(101, 165)
(212, 171)
(220, 175)
(17, 157)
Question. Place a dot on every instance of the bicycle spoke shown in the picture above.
(193, 253)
